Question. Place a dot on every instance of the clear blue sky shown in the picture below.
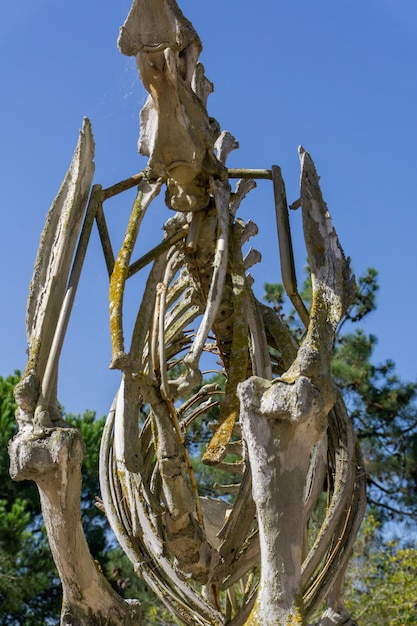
(337, 77)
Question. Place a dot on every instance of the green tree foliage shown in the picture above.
(30, 593)
(384, 411)
(275, 296)
(382, 580)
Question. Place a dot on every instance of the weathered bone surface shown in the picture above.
(36, 394)
(276, 427)
(54, 463)
(176, 132)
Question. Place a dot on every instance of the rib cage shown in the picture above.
(157, 532)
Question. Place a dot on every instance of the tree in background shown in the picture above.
(382, 579)
(25, 559)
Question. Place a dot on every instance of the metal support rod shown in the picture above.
(134, 180)
(123, 185)
(286, 254)
(105, 238)
(246, 173)
(157, 251)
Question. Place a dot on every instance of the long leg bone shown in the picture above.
(282, 420)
